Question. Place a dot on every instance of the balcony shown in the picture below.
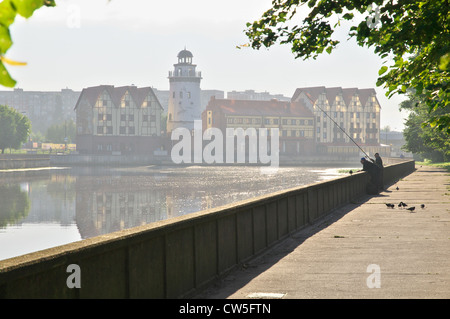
(190, 74)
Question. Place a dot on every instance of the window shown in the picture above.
(318, 119)
(105, 103)
(131, 130)
(189, 95)
(335, 114)
(144, 118)
(318, 130)
(109, 117)
(310, 122)
(324, 135)
(131, 117)
(123, 130)
(123, 117)
(109, 130)
(100, 130)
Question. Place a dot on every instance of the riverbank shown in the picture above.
(146, 160)
(20, 161)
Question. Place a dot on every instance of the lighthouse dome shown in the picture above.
(185, 56)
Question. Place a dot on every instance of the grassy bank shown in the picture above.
(445, 165)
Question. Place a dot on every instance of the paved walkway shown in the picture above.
(363, 250)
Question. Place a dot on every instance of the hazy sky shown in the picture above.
(82, 43)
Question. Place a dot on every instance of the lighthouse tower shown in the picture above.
(184, 95)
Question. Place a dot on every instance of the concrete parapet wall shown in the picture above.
(23, 161)
(176, 257)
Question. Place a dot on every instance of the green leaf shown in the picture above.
(26, 7)
(5, 78)
(5, 40)
(348, 16)
(7, 13)
(382, 70)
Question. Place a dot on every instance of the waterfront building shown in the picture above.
(356, 111)
(184, 93)
(118, 120)
(293, 119)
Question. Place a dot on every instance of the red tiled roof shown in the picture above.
(347, 93)
(116, 93)
(260, 108)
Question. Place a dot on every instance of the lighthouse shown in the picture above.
(184, 94)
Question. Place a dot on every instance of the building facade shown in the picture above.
(43, 108)
(356, 111)
(184, 94)
(118, 120)
(293, 119)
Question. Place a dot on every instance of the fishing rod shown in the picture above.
(343, 131)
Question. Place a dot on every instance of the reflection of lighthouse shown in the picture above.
(184, 96)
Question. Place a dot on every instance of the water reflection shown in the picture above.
(14, 204)
(93, 201)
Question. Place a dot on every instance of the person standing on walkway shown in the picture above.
(374, 172)
(379, 162)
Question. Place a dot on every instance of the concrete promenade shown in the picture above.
(361, 250)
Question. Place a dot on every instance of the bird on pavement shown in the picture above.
(390, 205)
(411, 209)
(397, 188)
(403, 204)
(400, 204)
(422, 206)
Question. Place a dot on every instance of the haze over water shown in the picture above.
(62, 206)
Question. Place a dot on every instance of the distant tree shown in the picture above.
(413, 34)
(422, 138)
(14, 128)
(37, 136)
(58, 132)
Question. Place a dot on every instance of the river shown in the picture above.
(60, 206)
